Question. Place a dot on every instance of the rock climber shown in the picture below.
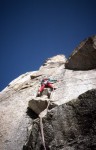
(46, 82)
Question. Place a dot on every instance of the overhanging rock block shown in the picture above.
(84, 56)
(38, 104)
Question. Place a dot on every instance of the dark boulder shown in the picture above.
(71, 126)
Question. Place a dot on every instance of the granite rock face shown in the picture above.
(84, 56)
(15, 118)
(71, 126)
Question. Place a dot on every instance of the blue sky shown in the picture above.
(33, 30)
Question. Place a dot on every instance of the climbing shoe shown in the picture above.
(49, 93)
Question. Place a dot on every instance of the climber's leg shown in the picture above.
(49, 91)
(41, 90)
(50, 86)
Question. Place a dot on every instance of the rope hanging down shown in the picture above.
(41, 115)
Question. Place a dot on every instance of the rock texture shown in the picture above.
(16, 119)
(71, 126)
(84, 56)
(38, 104)
(14, 116)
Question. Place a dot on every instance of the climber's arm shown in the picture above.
(52, 81)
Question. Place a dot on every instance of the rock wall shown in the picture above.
(14, 114)
(16, 119)
(71, 126)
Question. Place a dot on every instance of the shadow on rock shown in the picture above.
(31, 113)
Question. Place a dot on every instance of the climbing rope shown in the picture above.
(42, 133)
(41, 115)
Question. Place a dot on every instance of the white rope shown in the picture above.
(42, 133)
(41, 115)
